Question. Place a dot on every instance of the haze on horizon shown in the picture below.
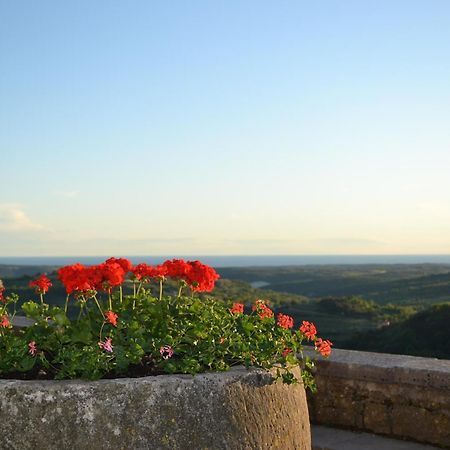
(224, 128)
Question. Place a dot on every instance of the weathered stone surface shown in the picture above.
(395, 395)
(235, 410)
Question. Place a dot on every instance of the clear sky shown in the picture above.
(224, 127)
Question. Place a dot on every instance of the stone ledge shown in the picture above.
(400, 396)
(385, 368)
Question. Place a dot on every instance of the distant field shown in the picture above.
(398, 283)
(15, 271)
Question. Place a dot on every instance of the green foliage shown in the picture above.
(203, 334)
(355, 306)
(423, 334)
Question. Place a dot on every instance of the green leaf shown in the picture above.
(26, 364)
(81, 335)
(60, 318)
(32, 310)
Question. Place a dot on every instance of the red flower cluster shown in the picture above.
(262, 309)
(109, 274)
(41, 284)
(286, 352)
(124, 263)
(103, 277)
(199, 277)
(323, 346)
(237, 308)
(4, 322)
(285, 321)
(76, 278)
(176, 268)
(111, 317)
(145, 272)
(308, 329)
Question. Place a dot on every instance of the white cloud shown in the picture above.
(14, 219)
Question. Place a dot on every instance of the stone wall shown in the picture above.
(400, 396)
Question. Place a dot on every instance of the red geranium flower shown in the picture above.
(200, 277)
(323, 347)
(145, 272)
(124, 263)
(176, 268)
(4, 322)
(160, 271)
(285, 321)
(102, 277)
(286, 352)
(238, 308)
(308, 329)
(111, 317)
(76, 278)
(108, 275)
(262, 309)
(41, 284)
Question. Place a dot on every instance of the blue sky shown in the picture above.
(224, 127)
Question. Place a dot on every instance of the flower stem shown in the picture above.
(81, 310)
(98, 305)
(14, 311)
(101, 330)
(66, 304)
(160, 289)
(121, 294)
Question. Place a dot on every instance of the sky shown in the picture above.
(224, 127)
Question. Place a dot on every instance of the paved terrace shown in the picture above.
(326, 438)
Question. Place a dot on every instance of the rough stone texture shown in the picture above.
(401, 396)
(233, 410)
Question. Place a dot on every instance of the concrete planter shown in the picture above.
(233, 410)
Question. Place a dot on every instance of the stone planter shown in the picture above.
(232, 410)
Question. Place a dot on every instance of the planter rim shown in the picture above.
(227, 375)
